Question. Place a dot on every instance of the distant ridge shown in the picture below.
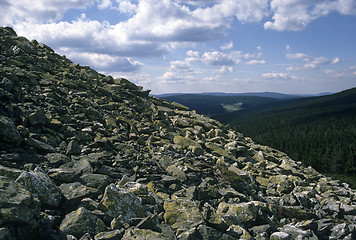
(257, 94)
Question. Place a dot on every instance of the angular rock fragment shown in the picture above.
(41, 187)
(80, 222)
(120, 202)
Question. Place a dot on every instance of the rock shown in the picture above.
(340, 231)
(209, 233)
(40, 146)
(98, 181)
(11, 173)
(182, 213)
(73, 148)
(111, 235)
(238, 232)
(280, 236)
(74, 193)
(234, 214)
(8, 131)
(41, 187)
(120, 202)
(79, 167)
(186, 143)
(18, 209)
(6, 234)
(136, 188)
(142, 234)
(56, 159)
(38, 117)
(82, 221)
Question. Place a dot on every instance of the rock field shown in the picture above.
(85, 156)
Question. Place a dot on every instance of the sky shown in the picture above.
(194, 46)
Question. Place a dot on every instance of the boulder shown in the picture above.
(121, 202)
(80, 222)
(143, 234)
(8, 131)
(182, 213)
(41, 186)
(234, 214)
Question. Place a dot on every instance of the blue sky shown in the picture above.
(288, 46)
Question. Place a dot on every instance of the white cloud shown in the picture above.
(105, 62)
(308, 61)
(180, 71)
(227, 46)
(275, 75)
(102, 4)
(224, 70)
(225, 59)
(349, 73)
(218, 59)
(255, 62)
(296, 15)
(12, 12)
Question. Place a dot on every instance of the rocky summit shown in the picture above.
(86, 156)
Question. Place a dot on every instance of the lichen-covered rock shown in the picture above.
(121, 202)
(146, 234)
(234, 214)
(82, 221)
(11, 173)
(186, 143)
(16, 203)
(41, 187)
(111, 235)
(182, 213)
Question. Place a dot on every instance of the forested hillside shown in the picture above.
(213, 105)
(319, 131)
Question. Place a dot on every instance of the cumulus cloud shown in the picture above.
(105, 62)
(46, 11)
(296, 15)
(275, 75)
(224, 70)
(218, 59)
(308, 61)
(178, 71)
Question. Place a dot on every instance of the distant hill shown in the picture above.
(256, 94)
(319, 131)
(213, 105)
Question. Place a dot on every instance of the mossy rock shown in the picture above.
(234, 214)
(146, 234)
(121, 202)
(82, 221)
(188, 144)
(41, 186)
(181, 212)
